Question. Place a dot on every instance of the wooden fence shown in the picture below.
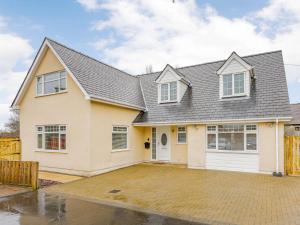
(292, 155)
(10, 149)
(19, 173)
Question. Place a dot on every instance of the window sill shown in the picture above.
(181, 143)
(56, 93)
(232, 152)
(120, 150)
(52, 151)
(235, 97)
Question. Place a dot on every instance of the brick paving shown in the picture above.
(7, 190)
(207, 196)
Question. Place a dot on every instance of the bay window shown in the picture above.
(51, 137)
(232, 137)
(51, 83)
(233, 84)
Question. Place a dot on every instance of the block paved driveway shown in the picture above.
(206, 196)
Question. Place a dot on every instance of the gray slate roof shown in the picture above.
(99, 79)
(269, 94)
(295, 108)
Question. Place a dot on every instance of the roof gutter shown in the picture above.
(250, 120)
(113, 102)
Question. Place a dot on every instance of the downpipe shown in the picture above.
(277, 173)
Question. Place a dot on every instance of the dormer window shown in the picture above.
(235, 77)
(168, 92)
(233, 84)
(171, 85)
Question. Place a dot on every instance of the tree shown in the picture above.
(13, 124)
(149, 69)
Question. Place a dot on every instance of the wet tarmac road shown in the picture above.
(38, 208)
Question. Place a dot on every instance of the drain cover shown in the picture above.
(114, 191)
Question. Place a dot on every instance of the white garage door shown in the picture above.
(232, 161)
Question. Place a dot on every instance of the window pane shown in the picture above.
(231, 128)
(63, 74)
(63, 84)
(51, 128)
(51, 87)
(231, 141)
(63, 141)
(164, 92)
(52, 76)
(211, 141)
(40, 140)
(153, 143)
(173, 91)
(251, 127)
(39, 86)
(211, 128)
(227, 85)
(120, 129)
(181, 129)
(51, 141)
(119, 141)
(251, 141)
(239, 83)
(181, 137)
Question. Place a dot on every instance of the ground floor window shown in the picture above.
(181, 135)
(232, 137)
(153, 143)
(120, 138)
(51, 137)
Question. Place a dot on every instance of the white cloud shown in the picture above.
(89, 4)
(159, 32)
(15, 50)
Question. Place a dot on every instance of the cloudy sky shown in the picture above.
(131, 34)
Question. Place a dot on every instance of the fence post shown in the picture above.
(34, 175)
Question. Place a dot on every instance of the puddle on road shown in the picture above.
(38, 208)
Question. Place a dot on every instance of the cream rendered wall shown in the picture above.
(68, 108)
(196, 146)
(103, 117)
(267, 147)
(178, 151)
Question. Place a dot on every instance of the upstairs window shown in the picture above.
(51, 83)
(168, 92)
(234, 85)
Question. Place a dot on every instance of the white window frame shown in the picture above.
(43, 83)
(233, 89)
(297, 128)
(122, 132)
(232, 151)
(43, 149)
(169, 92)
(181, 132)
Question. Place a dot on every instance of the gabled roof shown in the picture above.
(234, 56)
(179, 75)
(295, 108)
(98, 81)
(268, 100)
